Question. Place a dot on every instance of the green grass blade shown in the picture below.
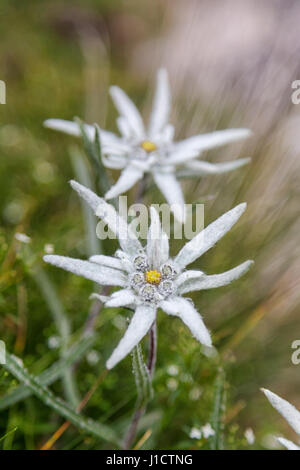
(94, 151)
(9, 432)
(98, 430)
(50, 375)
(216, 420)
(63, 327)
(103, 177)
(142, 377)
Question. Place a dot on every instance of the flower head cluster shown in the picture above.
(152, 284)
(289, 412)
(140, 149)
(148, 277)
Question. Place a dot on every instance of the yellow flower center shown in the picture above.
(148, 146)
(153, 277)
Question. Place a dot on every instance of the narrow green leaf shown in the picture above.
(63, 327)
(103, 177)
(216, 420)
(87, 143)
(142, 377)
(50, 375)
(9, 432)
(13, 365)
(93, 150)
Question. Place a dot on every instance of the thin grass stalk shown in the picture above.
(63, 327)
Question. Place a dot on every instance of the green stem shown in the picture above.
(143, 378)
(216, 441)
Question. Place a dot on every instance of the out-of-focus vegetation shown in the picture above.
(58, 60)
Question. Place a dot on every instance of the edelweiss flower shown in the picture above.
(142, 150)
(290, 414)
(148, 276)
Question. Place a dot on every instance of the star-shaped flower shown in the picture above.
(148, 277)
(290, 414)
(152, 149)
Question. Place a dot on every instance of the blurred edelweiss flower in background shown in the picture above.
(149, 278)
(195, 433)
(205, 431)
(153, 150)
(250, 436)
(289, 412)
(48, 248)
(22, 237)
(54, 342)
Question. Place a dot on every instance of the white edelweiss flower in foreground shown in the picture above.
(148, 277)
(290, 414)
(153, 150)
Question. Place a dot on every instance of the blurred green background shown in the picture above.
(230, 65)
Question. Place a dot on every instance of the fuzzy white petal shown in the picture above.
(288, 411)
(186, 148)
(205, 168)
(140, 324)
(118, 148)
(69, 127)
(171, 189)
(109, 138)
(129, 176)
(101, 298)
(109, 261)
(126, 260)
(208, 237)
(210, 282)
(72, 128)
(88, 195)
(182, 155)
(128, 110)
(115, 162)
(185, 310)
(164, 246)
(167, 134)
(161, 104)
(128, 240)
(288, 444)
(157, 241)
(124, 127)
(188, 276)
(121, 298)
(102, 275)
